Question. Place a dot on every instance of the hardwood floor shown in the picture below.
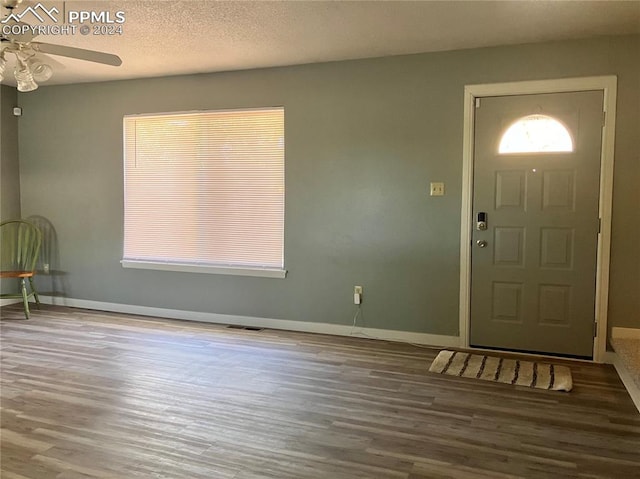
(99, 395)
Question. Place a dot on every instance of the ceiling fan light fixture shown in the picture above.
(41, 71)
(24, 77)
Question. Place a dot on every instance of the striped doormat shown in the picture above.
(502, 370)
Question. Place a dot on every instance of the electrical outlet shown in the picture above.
(357, 294)
(437, 189)
(45, 267)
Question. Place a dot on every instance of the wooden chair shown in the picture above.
(19, 248)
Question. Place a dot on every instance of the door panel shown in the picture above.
(533, 273)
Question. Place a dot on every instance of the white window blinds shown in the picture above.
(205, 188)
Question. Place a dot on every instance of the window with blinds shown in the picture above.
(204, 191)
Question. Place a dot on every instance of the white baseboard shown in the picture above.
(8, 301)
(609, 357)
(627, 380)
(435, 340)
(631, 333)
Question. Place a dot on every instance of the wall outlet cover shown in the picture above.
(437, 189)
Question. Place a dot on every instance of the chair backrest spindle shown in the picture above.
(19, 245)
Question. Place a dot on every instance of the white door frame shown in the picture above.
(606, 84)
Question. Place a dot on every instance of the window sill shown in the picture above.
(207, 269)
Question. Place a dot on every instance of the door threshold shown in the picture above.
(518, 352)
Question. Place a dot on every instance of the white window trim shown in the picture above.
(207, 269)
(195, 112)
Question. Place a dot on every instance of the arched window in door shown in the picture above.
(536, 134)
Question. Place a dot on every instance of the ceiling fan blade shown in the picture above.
(79, 53)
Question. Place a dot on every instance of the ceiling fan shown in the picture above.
(29, 69)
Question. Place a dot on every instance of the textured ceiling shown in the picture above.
(169, 38)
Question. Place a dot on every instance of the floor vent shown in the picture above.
(246, 328)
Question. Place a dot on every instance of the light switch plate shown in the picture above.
(437, 189)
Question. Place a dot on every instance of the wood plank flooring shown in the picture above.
(100, 395)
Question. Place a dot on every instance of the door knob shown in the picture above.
(481, 243)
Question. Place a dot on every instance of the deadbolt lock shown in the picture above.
(481, 243)
(481, 221)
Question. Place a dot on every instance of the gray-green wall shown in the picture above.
(9, 168)
(363, 141)
(9, 171)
